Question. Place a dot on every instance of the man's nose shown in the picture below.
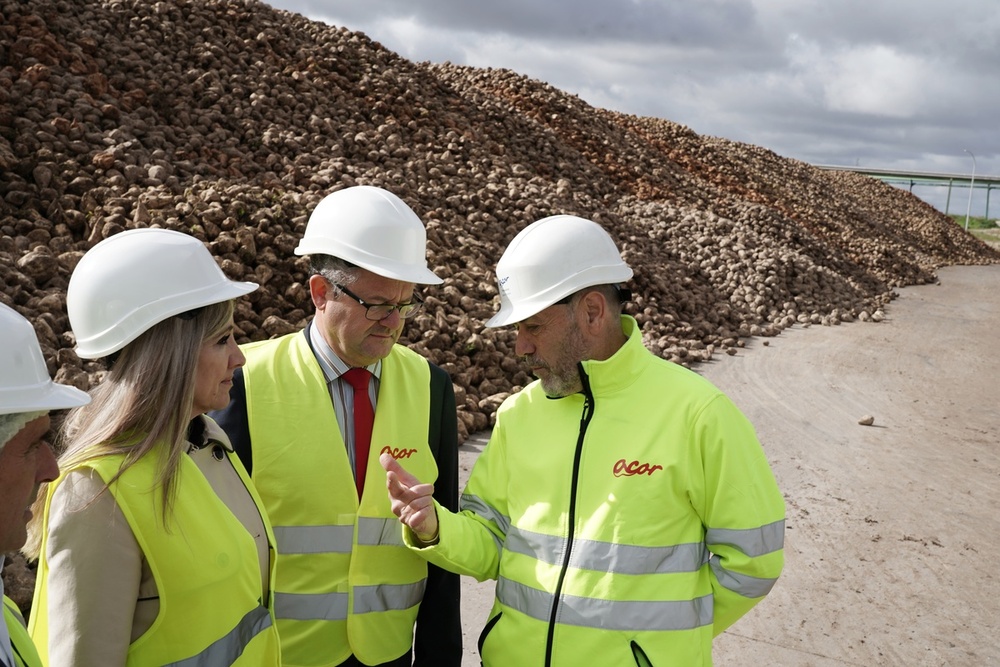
(48, 468)
(523, 345)
(392, 320)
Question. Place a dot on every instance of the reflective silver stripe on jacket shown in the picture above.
(632, 615)
(754, 542)
(744, 584)
(337, 539)
(475, 504)
(226, 650)
(606, 556)
(333, 606)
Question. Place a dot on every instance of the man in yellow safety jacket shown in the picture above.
(27, 394)
(623, 504)
(310, 414)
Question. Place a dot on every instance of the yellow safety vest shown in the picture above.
(25, 653)
(206, 570)
(346, 583)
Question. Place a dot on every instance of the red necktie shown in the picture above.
(364, 417)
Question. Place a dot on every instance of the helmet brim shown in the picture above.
(45, 396)
(380, 266)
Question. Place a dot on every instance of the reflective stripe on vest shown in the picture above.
(336, 539)
(333, 606)
(346, 583)
(228, 649)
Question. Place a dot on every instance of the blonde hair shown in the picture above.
(142, 407)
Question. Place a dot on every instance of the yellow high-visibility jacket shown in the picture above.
(25, 653)
(625, 525)
(206, 568)
(346, 582)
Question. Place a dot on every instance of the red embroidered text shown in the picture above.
(625, 469)
(398, 453)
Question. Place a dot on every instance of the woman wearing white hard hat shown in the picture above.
(153, 547)
(26, 460)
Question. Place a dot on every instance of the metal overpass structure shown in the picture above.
(913, 178)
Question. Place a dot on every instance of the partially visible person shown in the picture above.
(27, 395)
(310, 414)
(623, 504)
(153, 546)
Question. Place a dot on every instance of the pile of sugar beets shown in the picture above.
(231, 120)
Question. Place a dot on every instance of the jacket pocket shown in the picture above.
(640, 656)
(486, 630)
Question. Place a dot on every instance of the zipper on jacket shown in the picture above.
(588, 413)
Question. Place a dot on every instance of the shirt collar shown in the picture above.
(332, 365)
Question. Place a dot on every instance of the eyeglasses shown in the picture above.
(380, 311)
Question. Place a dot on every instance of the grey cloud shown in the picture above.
(881, 82)
(726, 24)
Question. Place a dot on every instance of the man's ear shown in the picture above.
(318, 290)
(594, 309)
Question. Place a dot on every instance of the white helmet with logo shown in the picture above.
(551, 259)
(135, 279)
(25, 385)
(371, 228)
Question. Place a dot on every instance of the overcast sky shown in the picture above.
(881, 84)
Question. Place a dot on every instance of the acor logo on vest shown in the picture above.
(625, 469)
(398, 453)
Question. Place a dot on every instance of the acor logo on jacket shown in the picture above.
(398, 453)
(625, 469)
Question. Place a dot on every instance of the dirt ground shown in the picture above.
(891, 528)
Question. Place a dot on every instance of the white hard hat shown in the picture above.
(130, 281)
(25, 385)
(371, 228)
(551, 259)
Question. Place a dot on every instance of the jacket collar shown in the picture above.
(622, 368)
(203, 430)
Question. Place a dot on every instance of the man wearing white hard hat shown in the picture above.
(311, 413)
(623, 504)
(27, 394)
